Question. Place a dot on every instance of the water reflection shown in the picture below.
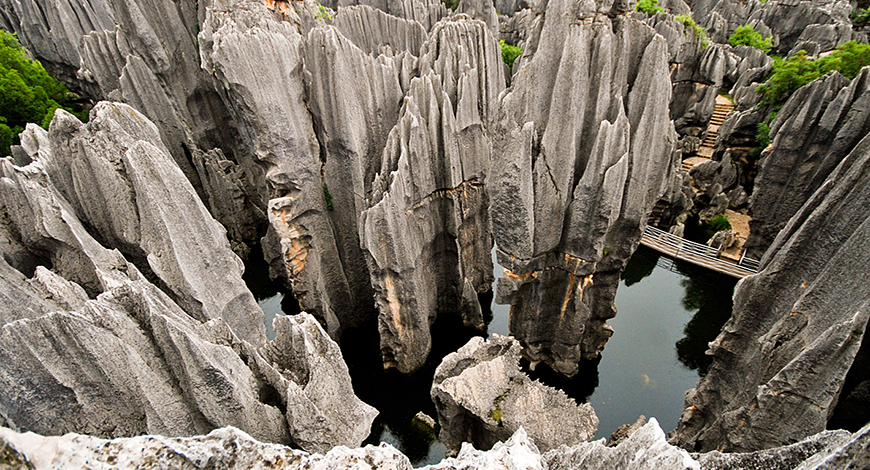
(272, 297)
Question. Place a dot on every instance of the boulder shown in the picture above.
(483, 397)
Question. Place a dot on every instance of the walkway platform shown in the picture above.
(696, 253)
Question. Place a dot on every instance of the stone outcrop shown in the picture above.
(233, 448)
(643, 449)
(583, 150)
(818, 126)
(780, 363)
(813, 25)
(372, 30)
(483, 397)
(95, 343)
(426, 232)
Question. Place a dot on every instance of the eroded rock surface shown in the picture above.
(780, 362)
(582, 153)
(815, 130)
(483, 397)
(426, 233)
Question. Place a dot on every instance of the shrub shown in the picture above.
(27, 93)
(690, 27)
(650, 7)
(790, 74)
(323, 13)
(746, 35)
(451, 4)
(860, 18)
(510, 53)
(720, 223)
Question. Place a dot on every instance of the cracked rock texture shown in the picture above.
(815, 130)
(644, 449)
(582, 151)
(780, 363)
(483, 397)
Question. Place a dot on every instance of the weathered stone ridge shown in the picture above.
(780, 362)
(645, 448)
(582, 152)
(818, 126)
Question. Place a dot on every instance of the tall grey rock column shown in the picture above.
(582, 151)
(427, 231)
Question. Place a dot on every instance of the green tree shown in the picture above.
(690, 27)
(746, 35)
(27, 93)
(509, 53)
(787, 75)
(650, 7)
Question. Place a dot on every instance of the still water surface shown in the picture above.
(667, 312)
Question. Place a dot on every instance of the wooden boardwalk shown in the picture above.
(696, 253)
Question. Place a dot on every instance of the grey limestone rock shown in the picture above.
(819, 125)
(483, 397)
(229, 447)
(426, 12)
(780, 362)
(434, 166)
(582, 152)
(372, 30)
(240, 47)
(121, 181)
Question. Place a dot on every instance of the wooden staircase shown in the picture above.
(723, 108)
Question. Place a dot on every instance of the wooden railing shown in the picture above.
(696, 253)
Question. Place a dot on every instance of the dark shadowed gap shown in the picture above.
(400, 397)
(271, 295)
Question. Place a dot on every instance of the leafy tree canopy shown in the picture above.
(746, 35)
(510, 53)
(650, 7)
(27, 93)
(798, 70)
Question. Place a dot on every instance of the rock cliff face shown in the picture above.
(169, 342)
(582, 152)
(644, 449)
(819, 125)
(780, 362)
(483, 397)
(427, 230)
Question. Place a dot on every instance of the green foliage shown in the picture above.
(860, 17)
(746, 35)
(327, 196)
(720, 223)
(690, 27)
(451, 4)
(323, 13)
(650, 7)
(607, 251)
(509, 53)
(496, 414)
(790, 74)
(27, 92)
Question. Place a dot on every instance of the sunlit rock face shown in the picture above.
(157, 333)
(582, 150)
(483, 397)
(780, 363)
